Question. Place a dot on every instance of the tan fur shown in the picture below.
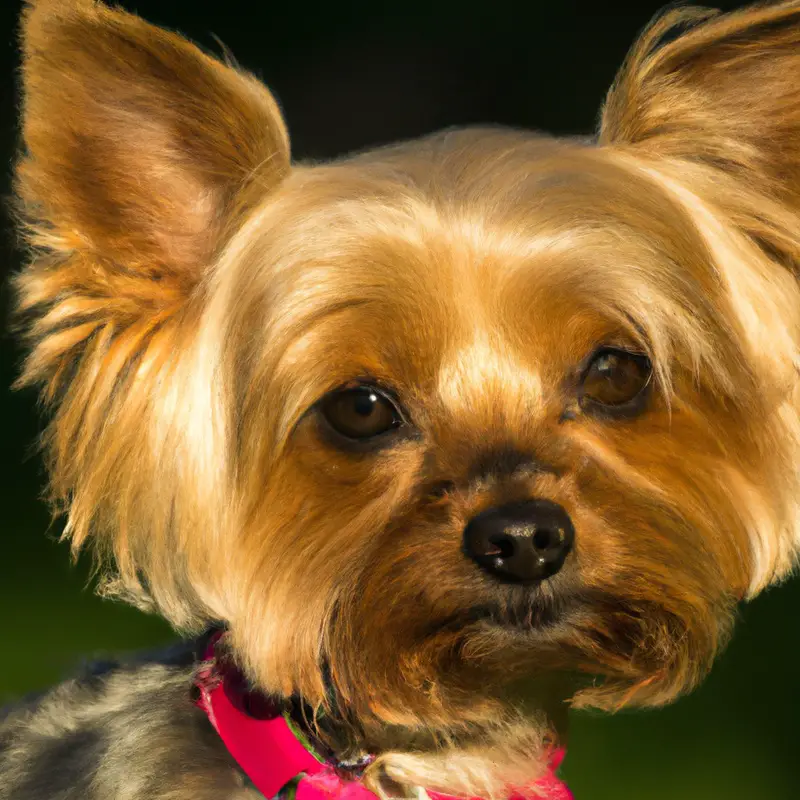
(192, 296)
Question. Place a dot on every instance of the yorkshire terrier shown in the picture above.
(424, 445)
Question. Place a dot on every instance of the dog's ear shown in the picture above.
(141, 156)
(722, 89)
(709, 105)
(138, 147)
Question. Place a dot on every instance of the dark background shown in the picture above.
(350, 75)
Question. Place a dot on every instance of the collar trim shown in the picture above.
(275, 755)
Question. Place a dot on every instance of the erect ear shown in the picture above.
(723, 89)
(137, 145)
(141, 155)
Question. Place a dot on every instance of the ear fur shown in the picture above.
(719, 89)
(136, 142)
(708, 104)
(141, 154)
(139, 150)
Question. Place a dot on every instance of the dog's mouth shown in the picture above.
(522, 611)
(536, 614)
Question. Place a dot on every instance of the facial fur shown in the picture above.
(192, 297)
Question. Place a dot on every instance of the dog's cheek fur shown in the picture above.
(753, 248)
(300, 556)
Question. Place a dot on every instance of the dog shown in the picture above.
(418, 448)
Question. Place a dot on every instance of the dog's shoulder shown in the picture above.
(126, 728)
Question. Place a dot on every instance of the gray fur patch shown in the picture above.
(128, 733)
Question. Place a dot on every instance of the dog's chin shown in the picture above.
(579, 639)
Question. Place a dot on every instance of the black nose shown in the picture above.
(520, 542)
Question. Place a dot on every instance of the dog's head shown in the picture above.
(431, 425)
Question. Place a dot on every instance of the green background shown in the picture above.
(349, 76)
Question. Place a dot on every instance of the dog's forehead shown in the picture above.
(504, 260)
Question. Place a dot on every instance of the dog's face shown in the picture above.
(489, 432)
(432, 424)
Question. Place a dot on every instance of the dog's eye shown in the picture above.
(360, 413)
(615, 378)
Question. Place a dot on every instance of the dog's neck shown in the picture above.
(336, 734)
(348, 749)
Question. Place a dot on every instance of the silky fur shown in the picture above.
(191, 294)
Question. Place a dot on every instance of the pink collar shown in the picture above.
(275, 756)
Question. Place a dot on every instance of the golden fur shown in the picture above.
(191, 295)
